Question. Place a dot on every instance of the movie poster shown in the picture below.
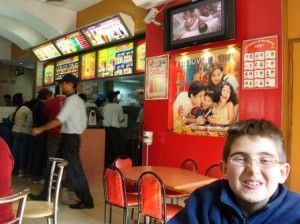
(207, 85)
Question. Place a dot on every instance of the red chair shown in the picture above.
(187, 164)
(214, 171)
(123, 162)
(115, 193)
(190, 164)
(152, 199)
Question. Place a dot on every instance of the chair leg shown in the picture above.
(132, 211)
(125, 216)
(110, 211)
(105, 212)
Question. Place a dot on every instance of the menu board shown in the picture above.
(260, 63)
(115, 61)
(46, 51)
(140, 56)
(49, 69)
(106, 31)
(65, 66)
(88, 66)
(71, 43)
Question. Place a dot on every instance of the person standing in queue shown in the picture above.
(113, 117)
(73, 120)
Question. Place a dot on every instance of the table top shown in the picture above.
(177, 179)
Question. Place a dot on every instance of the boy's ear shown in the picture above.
(284, 172)
(223, 168)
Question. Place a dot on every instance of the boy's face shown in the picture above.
(252, 184)
(197, 99)
(66, 87)
(207, 102)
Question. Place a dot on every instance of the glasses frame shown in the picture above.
(248, 161)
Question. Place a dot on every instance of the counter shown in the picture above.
(92, 154)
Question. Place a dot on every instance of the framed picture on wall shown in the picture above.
(260, 63)
(157, 77)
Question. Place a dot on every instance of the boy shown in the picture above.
(201, 113)
(252, 191)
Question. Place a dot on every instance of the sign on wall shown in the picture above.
(260, 63)
(156, 82)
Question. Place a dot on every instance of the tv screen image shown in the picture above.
(46, 51)
(67, 65)
(116, 60)
(88, 66)
(199, 23)
(72, 43)
(106, 32)
(49, 69)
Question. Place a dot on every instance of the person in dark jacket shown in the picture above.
(254, 169)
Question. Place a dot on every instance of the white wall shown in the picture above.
(11, 84)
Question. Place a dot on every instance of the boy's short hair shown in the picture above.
(195, 88)
(255, 128)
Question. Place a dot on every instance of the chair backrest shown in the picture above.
(123, 162)
(190, 164)
(21, 197)
(114, 186)
(56, 172)
(214, 171)
(152, 199)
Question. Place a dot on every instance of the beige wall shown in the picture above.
(110, 7)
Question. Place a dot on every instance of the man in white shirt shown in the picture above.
(113, 117)
(73, 121)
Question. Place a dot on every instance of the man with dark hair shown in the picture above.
(113, 117)
(7, 100)
(73, 119)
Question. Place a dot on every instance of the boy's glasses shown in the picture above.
(263, 161)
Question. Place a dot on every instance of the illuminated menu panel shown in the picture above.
(49, 73)
(72, 43)
(67, 65)
(88, 66)
(115, 61)
(46, 51)
(106, 31)
(140, 56)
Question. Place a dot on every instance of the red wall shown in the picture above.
(254, 18)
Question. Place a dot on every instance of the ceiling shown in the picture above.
(27, 23)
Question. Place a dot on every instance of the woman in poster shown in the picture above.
(217, 77)
(223, 109)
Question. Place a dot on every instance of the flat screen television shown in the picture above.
(200, 22)
(115, 61)
(109, 30)
(71, 43)
(88, 66)
(46, 51)
(140, 59)
(49, 69)
(67, 65)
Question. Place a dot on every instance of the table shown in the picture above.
(176, 179)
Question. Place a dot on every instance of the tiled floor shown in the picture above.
(71, 216)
